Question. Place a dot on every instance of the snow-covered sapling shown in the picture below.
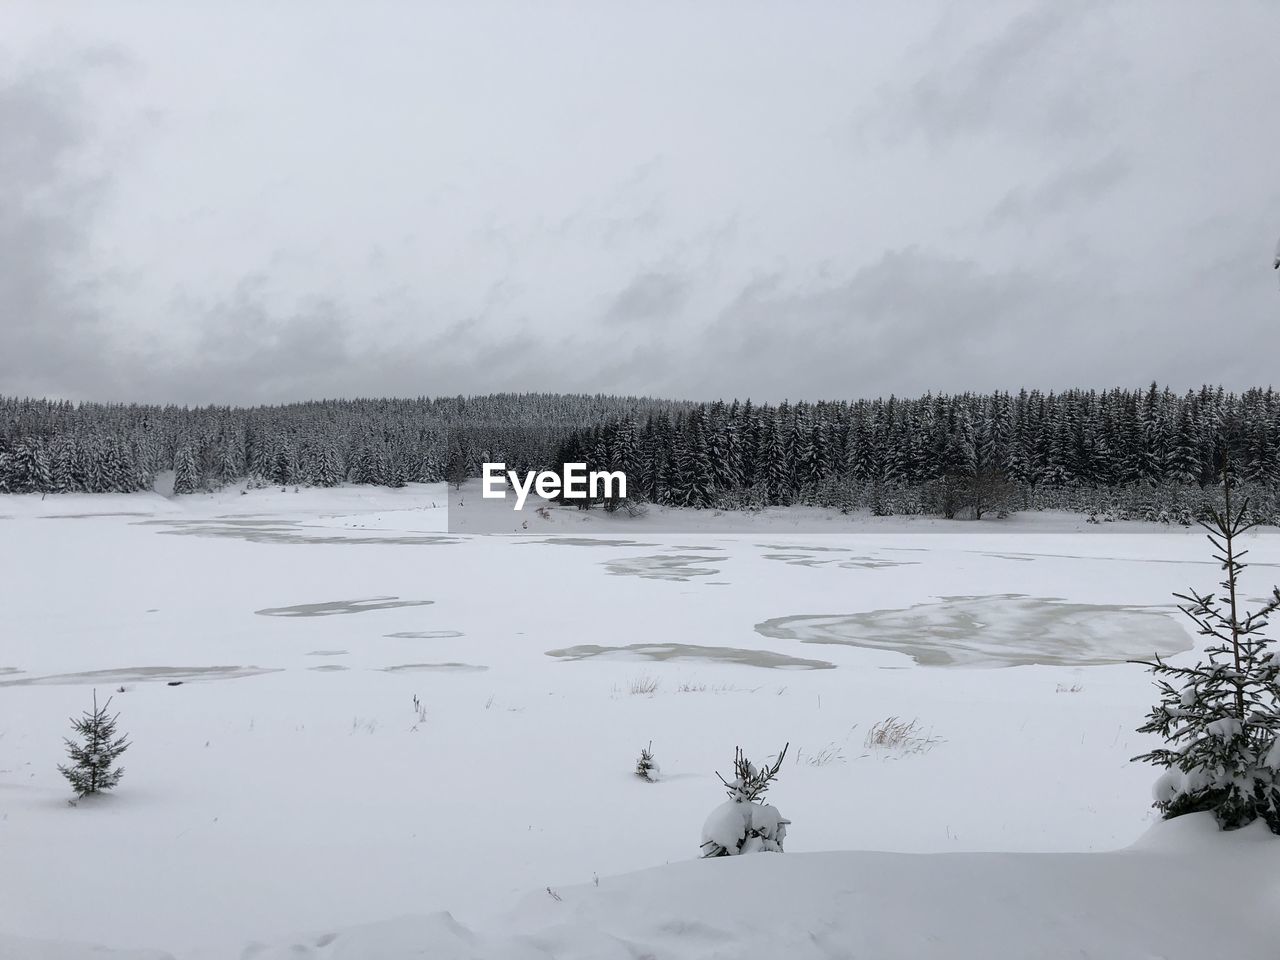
(745, 823)
(1221, 719)
(90, 770)
(647, 768)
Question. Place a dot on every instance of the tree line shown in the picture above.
(1148, 453)
(53, 446)
(1145, 454)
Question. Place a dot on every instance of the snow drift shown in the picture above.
(1184, 891)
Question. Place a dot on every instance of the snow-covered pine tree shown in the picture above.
(61, 454)
(1220, 719)
(456, 467)
(185, 478)
(111, 469)
(647, 768)
(283, 467)
(777, 465)
(697, 469)
(745, 823)
(90, 770)
(29, 467)
(328, 466)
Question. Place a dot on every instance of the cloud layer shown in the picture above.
(782, 201)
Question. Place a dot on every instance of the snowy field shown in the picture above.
(284, 797)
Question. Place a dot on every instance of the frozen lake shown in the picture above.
(264, 652)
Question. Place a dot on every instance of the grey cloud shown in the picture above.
(632, 206)
(912, 320)
(1033, 78)
(49, 336)
(909, 323)
(653, 295)
(788, 259)
(253, 349)
(915, 321)
(1064, 190)
(245, 347)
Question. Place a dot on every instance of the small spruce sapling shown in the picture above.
(1220, 720)
(745, 823)
(647, 768)
(90, 770)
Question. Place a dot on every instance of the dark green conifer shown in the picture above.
(92, 759)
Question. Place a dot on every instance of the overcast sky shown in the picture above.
(288, 200)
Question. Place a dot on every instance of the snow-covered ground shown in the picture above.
(471, 512)
(287, 793)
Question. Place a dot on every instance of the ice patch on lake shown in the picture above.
(436, 667)
(586, 542)
(812, 555)
(996, 631)
(336, 607)
(86, 516)
(140, 675)
(807, 548)
(806, 559)
(1009, 555)
(288, 531)
(691, 652)
(425, 635)
(663, 566)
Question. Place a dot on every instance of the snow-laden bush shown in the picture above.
(745, 823)
(1221, 720)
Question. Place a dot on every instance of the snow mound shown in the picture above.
(817, 906)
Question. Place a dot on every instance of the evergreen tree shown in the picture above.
(1184, 464)
(456, 468)
(29, 467)
(624, 453)
(185, 479)
(745, 823)
(1220, 719)
(283, 468)
(62, 462)
(328, 467)
(647, 768)
(696, 470)
(90, 770)
(111, 470)
(81, 468)
(777, 472)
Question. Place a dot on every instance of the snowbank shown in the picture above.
(1158, 898)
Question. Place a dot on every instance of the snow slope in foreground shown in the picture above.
(1184, 891)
